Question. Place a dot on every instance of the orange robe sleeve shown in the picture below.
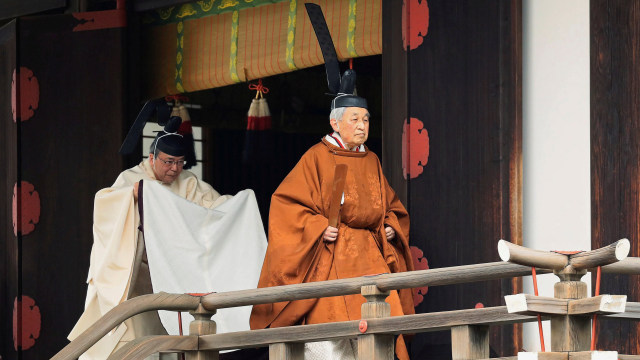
(297, 220)
(398, 218)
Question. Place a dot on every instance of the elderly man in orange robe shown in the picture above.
(372, 236)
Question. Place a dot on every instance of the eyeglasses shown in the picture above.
(170, 163)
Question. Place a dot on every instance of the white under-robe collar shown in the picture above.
(335, 139)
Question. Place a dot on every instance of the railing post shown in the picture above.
(286, 351)
(570, 333)
(374, 346)
(469, 342)
(202, 325)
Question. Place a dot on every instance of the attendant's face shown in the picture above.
(353, 127)
(167, 168)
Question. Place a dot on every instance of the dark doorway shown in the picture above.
(235, 160)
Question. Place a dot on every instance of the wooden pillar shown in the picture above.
(615, 154)
(375, 346)
(286, 351)
(202, 325)
(469, 342)
(459, 90)
(63, 145)
(570, 333)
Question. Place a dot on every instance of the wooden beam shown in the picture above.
(120, 313)
(417, 323)
(376, 306)
(603, 304)
(469, 342)
(570, 333)
(517, 254)
(604, 256)
(286, 351)
(182, 302)
(550, 355)
(410, 279)
(375, 346)
(629, 266)
(593, 355)
(628, 357)
(631, 311)
(525, 304)
(570, 289)
(202, 325)
(142, 347)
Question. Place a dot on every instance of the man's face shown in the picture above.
(353, 127)
(166, 167)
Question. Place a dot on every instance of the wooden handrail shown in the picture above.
(125, 310)
(628, 266)
(410, 279)
(517, 254)
(418, 323)
(609, 254)
(628, 357)
(385, 282)
(631, 311)
(142, 347)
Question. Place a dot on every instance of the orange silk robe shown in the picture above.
(297, 254)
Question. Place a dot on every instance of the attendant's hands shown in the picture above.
(135, 191)
(391, 234)
(330, 234)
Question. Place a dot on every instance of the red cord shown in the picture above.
(351, 63)
(259, 87)
(535, 292)
(178, 97)
(595, 316)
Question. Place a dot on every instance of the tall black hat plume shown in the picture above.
(341, 87)
(158, 107)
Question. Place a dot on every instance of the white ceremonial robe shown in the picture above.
(192, 249)
(115, 232)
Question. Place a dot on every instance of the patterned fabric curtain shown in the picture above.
(207, 44)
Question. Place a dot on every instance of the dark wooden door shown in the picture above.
(61, 149)
(8, 177)
(453, 88)
(615, 153)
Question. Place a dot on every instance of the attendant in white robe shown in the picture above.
(118, 268)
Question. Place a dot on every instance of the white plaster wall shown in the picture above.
(556, 170)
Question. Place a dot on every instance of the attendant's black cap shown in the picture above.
(168, 140)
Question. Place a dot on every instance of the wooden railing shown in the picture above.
(469, 327)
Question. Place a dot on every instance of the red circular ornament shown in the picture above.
(30, 208)
(418, 23)
(30, 321)
(419, 263)
(29, 94)
(415, 148)
(362, 326)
